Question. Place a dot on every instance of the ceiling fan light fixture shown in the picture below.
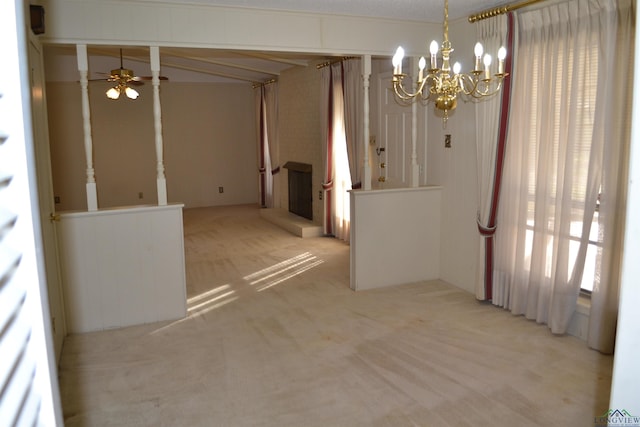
(123, 78)
(131, 93)
(113, 93)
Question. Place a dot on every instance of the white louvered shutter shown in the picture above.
(27, 397)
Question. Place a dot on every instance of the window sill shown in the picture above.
(584, 305)
(579, 325)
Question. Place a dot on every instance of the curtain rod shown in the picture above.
(500, 10)
(335, 61)
(267, 82)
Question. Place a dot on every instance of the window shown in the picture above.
(575, 80)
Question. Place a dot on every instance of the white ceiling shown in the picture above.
(205, 65)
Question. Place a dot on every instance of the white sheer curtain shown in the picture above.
(613, 134)
(564, 147)
(337, 180)
(493, 34)
(266, 97)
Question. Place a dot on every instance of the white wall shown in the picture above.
(395, 238)
(455, 169)
(135, 275)
(68, 162)
(209, 142)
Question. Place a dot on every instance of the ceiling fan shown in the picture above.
(124, 79)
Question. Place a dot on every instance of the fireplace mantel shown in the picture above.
(298, 167)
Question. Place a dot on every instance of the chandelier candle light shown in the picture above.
(443, 84)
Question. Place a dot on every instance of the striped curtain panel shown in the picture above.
(492, 122)
(337, 176)
(353, 119)
(326, 134)
(267, 120)
(271, 119)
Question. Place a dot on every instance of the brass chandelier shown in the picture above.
(443, 84)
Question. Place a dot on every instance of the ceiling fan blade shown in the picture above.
(150, 78)
(134, 82)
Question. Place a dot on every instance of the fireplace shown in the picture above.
(300, 190)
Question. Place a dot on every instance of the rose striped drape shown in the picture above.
(268, 147)
(341, 131)
(492, 122)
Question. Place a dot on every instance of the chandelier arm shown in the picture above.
(402, 92)
(489, 93)
(479, 88)
(469, 85)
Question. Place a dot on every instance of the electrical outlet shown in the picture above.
(320, 195)
(56, 199)
(220, 189)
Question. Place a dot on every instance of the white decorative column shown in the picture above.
(83, 68)
(415, 168)
(366, 74)
(161, 181)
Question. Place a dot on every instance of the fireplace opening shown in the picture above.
(300, 189)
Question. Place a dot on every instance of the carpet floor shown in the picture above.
(275, 337)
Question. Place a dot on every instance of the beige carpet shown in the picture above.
(275, 337)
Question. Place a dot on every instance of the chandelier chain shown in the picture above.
(446, 21)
